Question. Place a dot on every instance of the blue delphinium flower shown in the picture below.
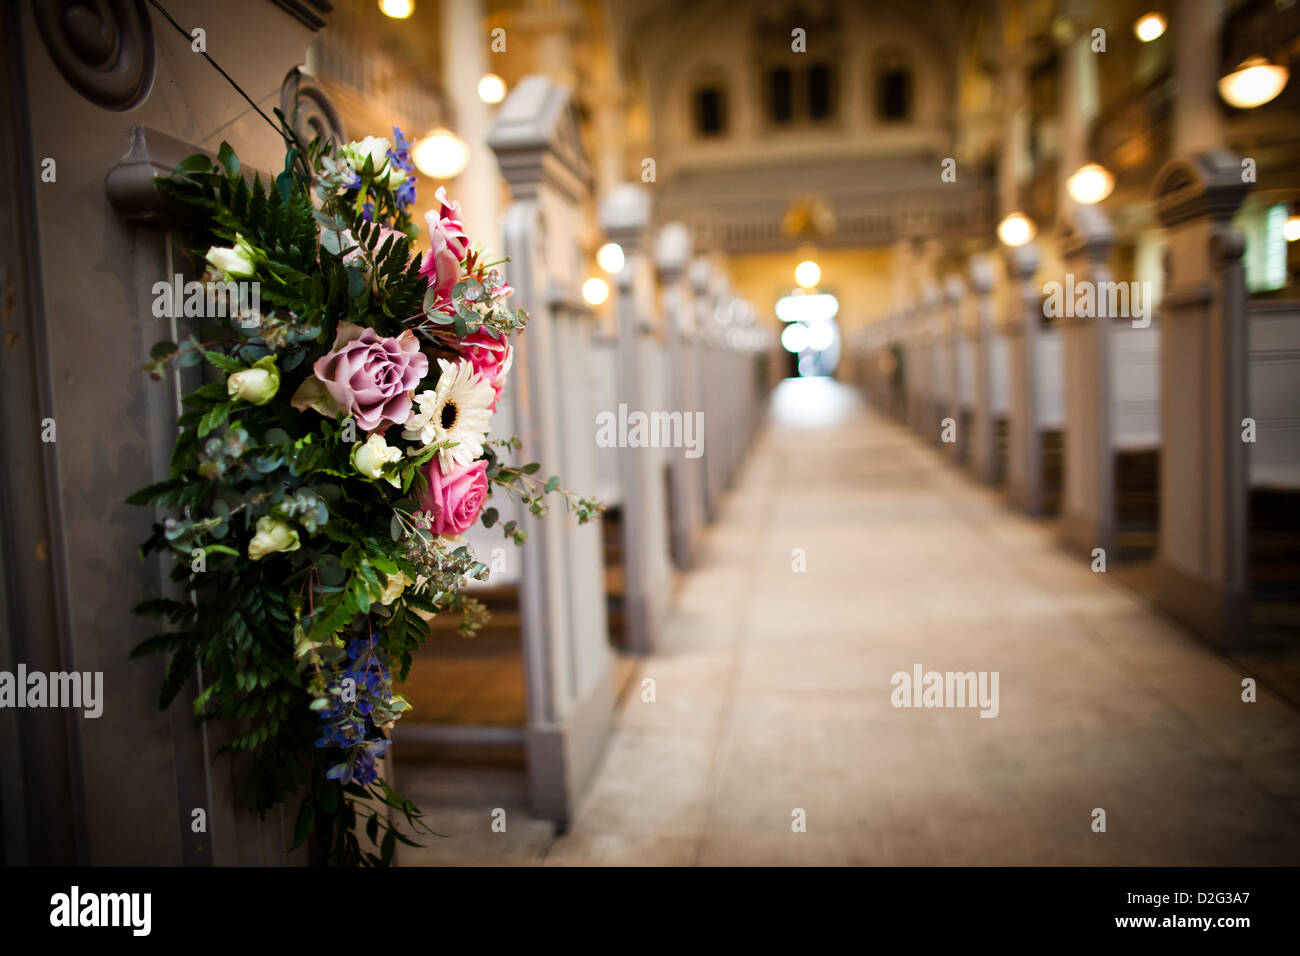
(355, 724)
(399, 157)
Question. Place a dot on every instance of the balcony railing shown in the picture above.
(877, 220)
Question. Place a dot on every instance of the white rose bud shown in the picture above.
(230, 260)
(370, 456)
(272, 535)
(393, 588)
(256, 385)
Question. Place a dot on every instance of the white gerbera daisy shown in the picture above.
(457, 409)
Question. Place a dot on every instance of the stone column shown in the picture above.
(1088, 495)
(1022, 327)
(1202, 571)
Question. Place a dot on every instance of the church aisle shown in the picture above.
(773, 692)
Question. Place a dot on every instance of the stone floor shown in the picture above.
(773, 693)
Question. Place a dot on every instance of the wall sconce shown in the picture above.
(1253, 83)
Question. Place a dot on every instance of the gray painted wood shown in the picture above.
(120, 789)
(1022, 325)
(567, 661)
(1201, 565)
(1088, 493)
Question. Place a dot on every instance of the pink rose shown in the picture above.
(491, 358)
(454, 500)
(372, 376)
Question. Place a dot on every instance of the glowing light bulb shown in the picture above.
(610, 258)
(1291, 228)
(1253, 83)
(595, 291)
(491, 89)
(397, 9)
(1016, 229)
(807, 273)
(795, 338)
(1090, 184)
(442, 154)
(1150, 26)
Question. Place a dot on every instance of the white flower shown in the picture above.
(233, 261)
(394, 587)
(272, 535)
(376, 147)
(370, 456)
(256, 385)
(458, 409)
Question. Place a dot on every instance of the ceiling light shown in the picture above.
(1016, 229)
(807, 273)
(1150, 26)
(491, 89)
(1090, 184)
(441, 155)
(1253, 83)
(610, 258)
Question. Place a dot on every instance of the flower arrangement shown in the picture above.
(324, 477)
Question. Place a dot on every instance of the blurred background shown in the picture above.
(831, 229)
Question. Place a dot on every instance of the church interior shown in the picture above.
(916, 353)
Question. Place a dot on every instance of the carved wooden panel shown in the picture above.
(105, 50)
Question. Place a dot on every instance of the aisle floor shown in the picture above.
(773, 692)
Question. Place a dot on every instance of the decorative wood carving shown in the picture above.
(308, 108)
(104, 49)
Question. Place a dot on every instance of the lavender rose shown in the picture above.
(372, 376)
(454, 499)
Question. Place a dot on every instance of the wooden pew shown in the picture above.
(566, 656)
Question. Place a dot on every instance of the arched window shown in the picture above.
(821, 91)
(779, 84)
(893, 87)
(709, 107)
